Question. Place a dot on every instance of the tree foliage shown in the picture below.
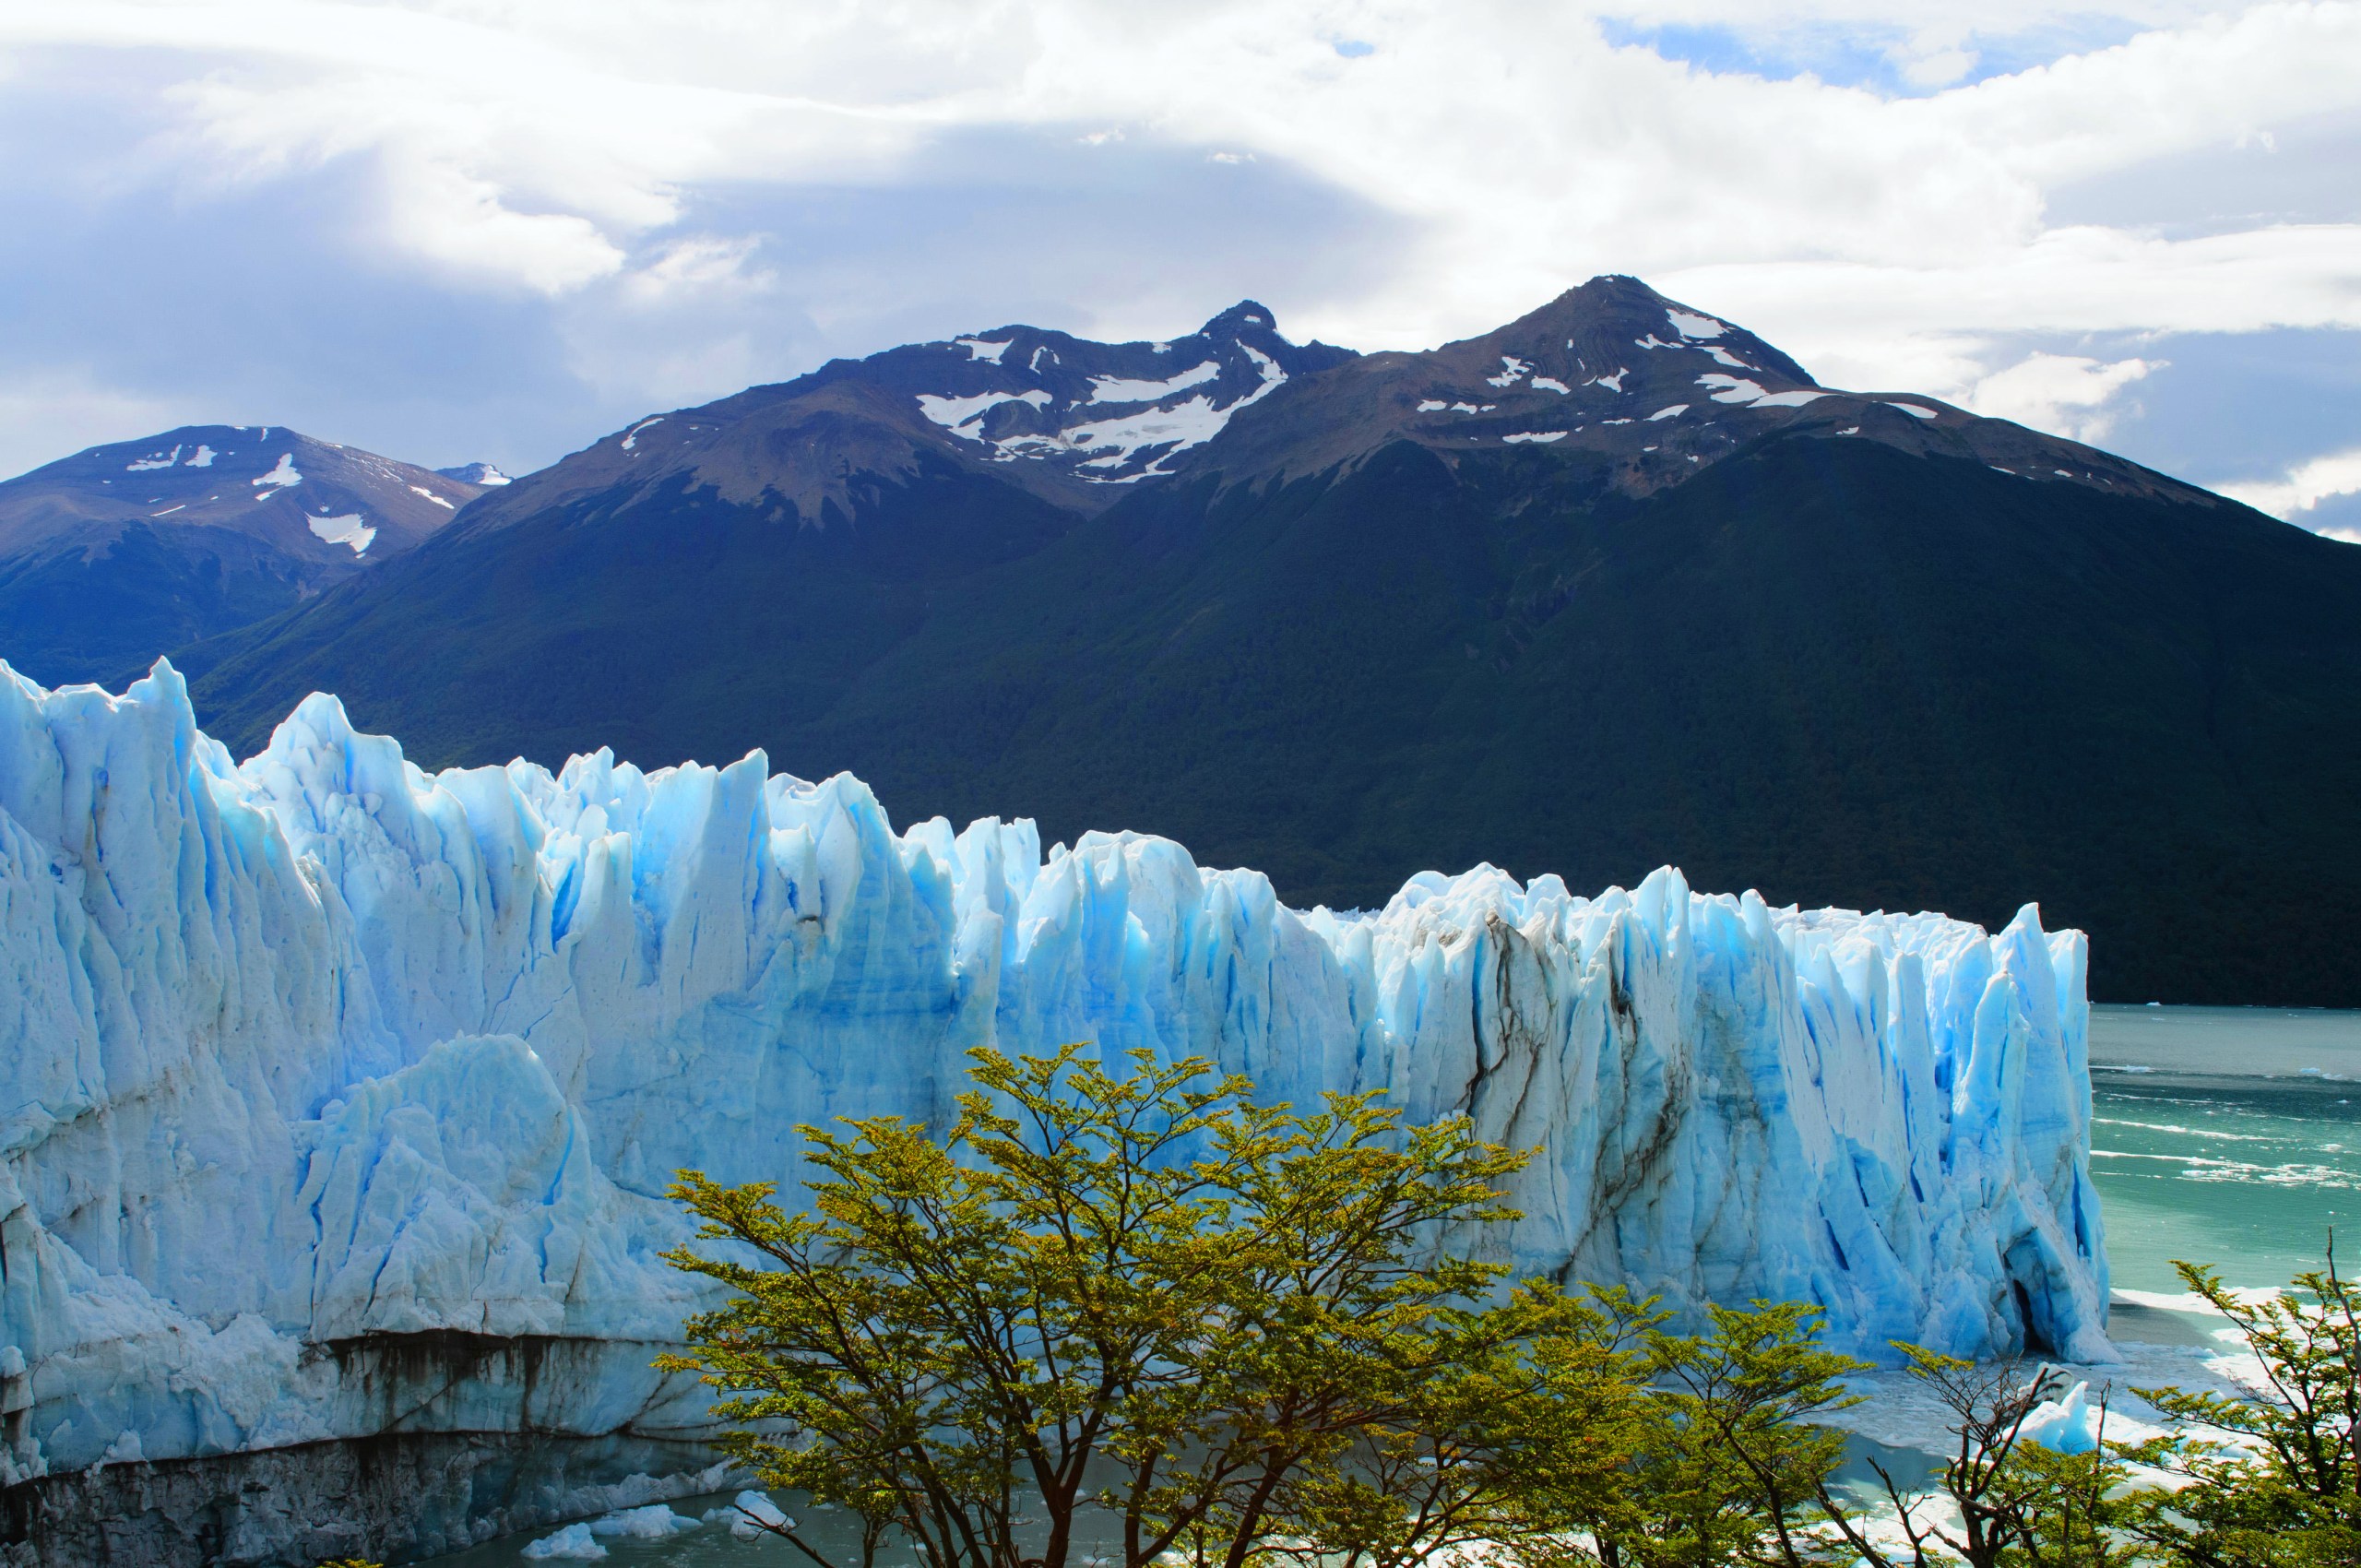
(1145, 1306)
(2281, 1488)
(1112, 1320)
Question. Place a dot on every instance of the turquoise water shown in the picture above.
(2226, 1135)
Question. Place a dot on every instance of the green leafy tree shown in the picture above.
(1144, 1311)
(2285, 1490)
(1735, 1464)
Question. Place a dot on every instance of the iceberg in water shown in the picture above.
(339, 1099)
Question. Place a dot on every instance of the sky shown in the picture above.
(500, 229)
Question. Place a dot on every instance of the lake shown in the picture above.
(2226, 1135)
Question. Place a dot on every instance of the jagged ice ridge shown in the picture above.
(321, 1053)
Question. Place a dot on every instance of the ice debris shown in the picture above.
(331, 1087)
(572, 1544)
(752, 1515)
(2065, 1425)
(654, 1522)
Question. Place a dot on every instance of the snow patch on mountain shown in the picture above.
(1116, 389)
(280, 478)
(964, 416)
(351, 529)
(1750, 393)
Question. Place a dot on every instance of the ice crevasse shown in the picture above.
(308, 1062)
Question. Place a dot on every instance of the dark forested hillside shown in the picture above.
(1838, 652)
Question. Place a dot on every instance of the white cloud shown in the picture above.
(2302, 488)
(2064, 394)
(1890, 241)
(540, 141)
(46, 414)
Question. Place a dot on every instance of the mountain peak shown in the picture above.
(113, 554)
(1245, 315)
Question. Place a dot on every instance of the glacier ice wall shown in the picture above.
(338, 1098)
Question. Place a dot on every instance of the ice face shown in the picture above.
(311, 1059)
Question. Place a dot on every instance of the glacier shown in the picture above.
(338, 1098)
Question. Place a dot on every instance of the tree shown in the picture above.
(2285, 1491)
(1732, 1467)
(2018, 1501)
(1146, 1311)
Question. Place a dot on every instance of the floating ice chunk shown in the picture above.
(654, 1522)
(1115, 390)
(144, 464)
(279, 478)
(1673, 412)
(1690, 326)
(422, 490)
(980, 349)
(755, 1515)
(1549, 383)
(572, 1544)
(1910, 409)
(200, 458)
(631, 436)
(351, 529)
(1512, 370)
(1543, 435)
(2065, 1426)
(964, 416)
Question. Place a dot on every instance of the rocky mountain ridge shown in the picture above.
(124, 549)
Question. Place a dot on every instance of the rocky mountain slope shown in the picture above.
(1615, 586)
(112, 555)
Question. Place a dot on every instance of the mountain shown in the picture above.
(483, 475)
(1616, 586)
(112, 555)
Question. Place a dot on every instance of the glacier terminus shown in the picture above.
(340, 1099)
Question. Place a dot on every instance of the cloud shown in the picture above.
(2065, 394)
(651, 198)
(2302, 488)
